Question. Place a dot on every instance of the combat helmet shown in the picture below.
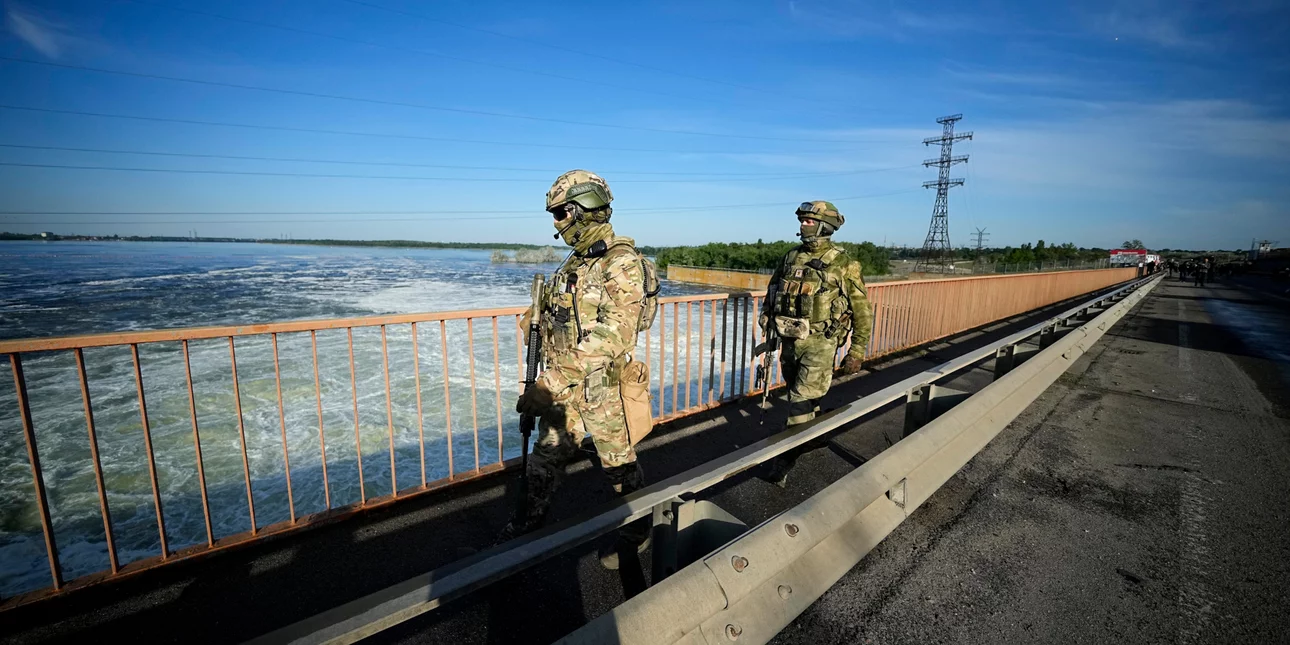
(823, 212)
(579, 202)
(585, 188)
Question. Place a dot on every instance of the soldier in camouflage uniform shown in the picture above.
(819, 299)
(589, 318)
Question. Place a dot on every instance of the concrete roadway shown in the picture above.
(1143, 498)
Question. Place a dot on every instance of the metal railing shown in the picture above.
(199, 439)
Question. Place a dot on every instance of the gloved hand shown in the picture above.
(526, 320)
(763, 320)
(852, 364)
(537, 400)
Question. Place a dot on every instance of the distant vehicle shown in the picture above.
(1129, 257)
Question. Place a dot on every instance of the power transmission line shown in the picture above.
(263, 173)
(379, 135)
(937, 253)
(456, 214)
(192, 155)
(600, 82)
(405, 104)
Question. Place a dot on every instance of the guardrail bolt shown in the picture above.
(733, 632)
(791, 530)
(667, 515)
(785, 591)
(739, 563)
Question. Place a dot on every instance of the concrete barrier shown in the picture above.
(730, 278)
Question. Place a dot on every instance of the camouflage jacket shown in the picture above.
(589, 314)
(830, 293)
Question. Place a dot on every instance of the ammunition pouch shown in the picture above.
(821, 307)
(602, 384)
(789, 327)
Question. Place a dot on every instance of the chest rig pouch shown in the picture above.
(560, 311)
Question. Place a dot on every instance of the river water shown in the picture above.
(65, 288)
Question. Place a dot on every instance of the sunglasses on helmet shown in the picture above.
(807, 208)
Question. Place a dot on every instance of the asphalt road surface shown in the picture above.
(1143, 498)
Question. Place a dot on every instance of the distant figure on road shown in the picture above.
(819, 299)
(591, 313)
(1199, 271)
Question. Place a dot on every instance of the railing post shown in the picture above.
(1047, 335)
(37, 474)
(926, 401)
(147, 446)
(1004, 360)
(917, 407)
(113, 562)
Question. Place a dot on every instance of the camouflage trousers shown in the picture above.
(597, 415)
(807, 364)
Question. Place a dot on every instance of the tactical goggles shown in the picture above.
(808, 208)
(562, 212)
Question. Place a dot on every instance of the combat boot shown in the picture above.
(776, 472)
(626, 479)
(518, 525)
(512, 530)
(609, 553)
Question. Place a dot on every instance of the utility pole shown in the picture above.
(937, 255)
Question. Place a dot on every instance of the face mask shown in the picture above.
(809, 232)
(569, 230)
(813, 232)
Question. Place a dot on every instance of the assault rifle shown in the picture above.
(766, 349)
(533, 356)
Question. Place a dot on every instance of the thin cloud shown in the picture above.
(830, 18)
(979, 75)
(1163, 31)
(41, 35)
(1170, 24)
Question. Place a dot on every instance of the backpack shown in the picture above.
(652, 286)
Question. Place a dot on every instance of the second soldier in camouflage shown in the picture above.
(818, 299)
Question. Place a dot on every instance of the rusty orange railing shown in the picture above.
(196, 457)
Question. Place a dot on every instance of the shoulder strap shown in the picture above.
(788, 259)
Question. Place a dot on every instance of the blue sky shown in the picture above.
(1095, 121)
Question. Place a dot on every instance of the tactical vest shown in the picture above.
(572, 300)
(807, 291)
